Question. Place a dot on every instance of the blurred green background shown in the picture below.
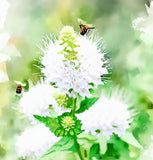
(131, 59)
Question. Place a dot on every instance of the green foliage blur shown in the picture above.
(131, 61)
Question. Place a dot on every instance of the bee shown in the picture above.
(19, 86)
(84, 28)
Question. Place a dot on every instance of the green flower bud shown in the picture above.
(68, 123)
(67, 34)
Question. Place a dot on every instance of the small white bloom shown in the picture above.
(73, 77)
(37, 100)
(4, 5)
(35, 141)
(145, 24)
(107, 116)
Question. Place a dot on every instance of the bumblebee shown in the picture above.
(84, 28)
(19, 87)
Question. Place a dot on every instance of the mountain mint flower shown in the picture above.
(73, 63)
(35, 141)
(106, 116)
(68, 123)
(37, 100)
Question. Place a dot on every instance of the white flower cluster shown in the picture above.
(38, 139)
(145, 24)
(37, 100)
(35, 141)
(72, 77)
(106, 116)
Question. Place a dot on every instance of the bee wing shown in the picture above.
(81, 20)
(19, 82)
(84, 22)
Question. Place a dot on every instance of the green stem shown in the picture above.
(73, 107)
(77, 147)
(75, 137)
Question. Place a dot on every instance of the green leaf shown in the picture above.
(121, 148)
(65, 144)
(86, 104)
(88, 137)
(94, 151)
(51, 123)
(60, 126)
(86, 141)
(130, 139)
(111, 153)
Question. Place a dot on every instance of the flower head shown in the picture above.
(77, 65)
(106, 116)
(37, 100)
(67, 34)
(68, 123)
(35, 141)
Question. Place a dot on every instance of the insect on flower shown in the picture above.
(19, 86)
(84, 28)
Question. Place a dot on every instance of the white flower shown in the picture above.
(35, 141)
(72, 77)
(145, 24)
(106, 116)
(37, 100)
(4, 5)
